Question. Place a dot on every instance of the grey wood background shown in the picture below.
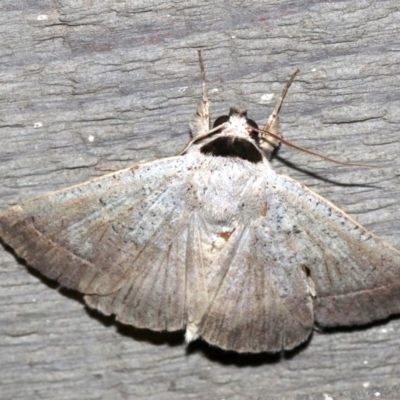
(89, 85)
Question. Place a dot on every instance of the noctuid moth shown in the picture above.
(212, 241)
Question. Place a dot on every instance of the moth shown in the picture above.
(212, 241)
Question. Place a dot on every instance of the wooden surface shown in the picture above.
(89, 85)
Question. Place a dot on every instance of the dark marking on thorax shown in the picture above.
(226, 146)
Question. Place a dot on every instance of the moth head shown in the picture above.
(237, 121)
(233, 135)
(237, 118)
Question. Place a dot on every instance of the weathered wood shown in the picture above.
(88, 85)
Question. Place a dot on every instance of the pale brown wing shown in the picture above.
(238, 298)
(138, 243)
(355, 275)
(166, 289)
(257, 305)
(153, 296)
(88, 236)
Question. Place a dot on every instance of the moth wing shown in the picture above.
(166, 289)
(353, 275)
(251, 309)
(88, 236)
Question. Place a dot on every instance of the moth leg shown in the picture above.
(268, 143)
(200, 122)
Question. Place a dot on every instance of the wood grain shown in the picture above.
(89, 85)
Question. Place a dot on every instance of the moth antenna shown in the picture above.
(313, 153)
(203, 136)
(270, 138)
(268, 142)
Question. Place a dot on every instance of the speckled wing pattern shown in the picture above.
(243, 257)
(212, 241)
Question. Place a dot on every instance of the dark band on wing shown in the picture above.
(232, 147)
